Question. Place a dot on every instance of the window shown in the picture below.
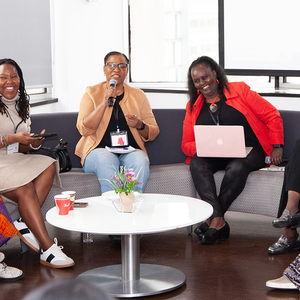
(258, 38)
(26, 38)
(167, 35)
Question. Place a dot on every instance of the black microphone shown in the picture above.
(113, 83)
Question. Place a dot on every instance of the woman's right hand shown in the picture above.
(110, 92)
(25, 138)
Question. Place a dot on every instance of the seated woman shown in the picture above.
(288, 212)
(214, 101)
(7, 231)
(120, 111)
(26, 178)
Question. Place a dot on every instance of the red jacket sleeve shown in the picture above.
(188, 145)
(262, 116)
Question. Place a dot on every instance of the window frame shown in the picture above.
(241, 74)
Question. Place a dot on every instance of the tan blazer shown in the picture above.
(134, 102)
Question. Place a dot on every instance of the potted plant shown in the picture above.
(124, 180)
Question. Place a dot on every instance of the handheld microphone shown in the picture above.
(112, 83)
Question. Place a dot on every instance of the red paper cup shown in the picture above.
(62, 204)
(72, 198)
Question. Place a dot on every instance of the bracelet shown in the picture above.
(3, 140)
(37, 148)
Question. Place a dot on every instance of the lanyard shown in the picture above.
(15, 127)
(116, 112)
(217, 122)
(212, 116)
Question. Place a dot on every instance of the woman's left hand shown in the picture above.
(133, 121)
(38, 141)
(276, 156)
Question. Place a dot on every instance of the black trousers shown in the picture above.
(291, 180)
(236, 174)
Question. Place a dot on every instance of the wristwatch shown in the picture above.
(142, 127)
(277, 146)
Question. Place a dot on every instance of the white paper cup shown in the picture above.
(72, 198)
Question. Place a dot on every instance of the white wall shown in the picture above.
(83, 33)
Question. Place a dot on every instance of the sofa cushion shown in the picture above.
(174, 179)
(261, 194)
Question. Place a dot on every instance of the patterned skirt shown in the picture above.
(292, 272)
(7, 229)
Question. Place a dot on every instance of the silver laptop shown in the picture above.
(220, 141)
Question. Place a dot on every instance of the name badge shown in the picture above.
(13, 148)
(119, 138)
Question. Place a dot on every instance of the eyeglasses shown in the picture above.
(121, 66)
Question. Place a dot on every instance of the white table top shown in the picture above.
(153, 213)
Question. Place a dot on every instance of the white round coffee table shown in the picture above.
(153, 213)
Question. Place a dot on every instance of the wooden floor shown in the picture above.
(234, 269)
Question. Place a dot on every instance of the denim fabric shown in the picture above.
(104, 164)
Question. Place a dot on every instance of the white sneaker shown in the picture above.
(9, 273)
(55, 258)
(281, 283)
(2, 256)
(26, 235)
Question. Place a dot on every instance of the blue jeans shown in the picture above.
(104, 163)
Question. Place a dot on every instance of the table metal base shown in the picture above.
(154, 279)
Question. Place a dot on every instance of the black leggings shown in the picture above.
(236, 173)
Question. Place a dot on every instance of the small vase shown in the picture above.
(126, 201)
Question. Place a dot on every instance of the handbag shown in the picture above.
(60, 153)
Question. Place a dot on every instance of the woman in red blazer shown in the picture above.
(214, 101)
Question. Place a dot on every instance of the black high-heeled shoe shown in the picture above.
(201, 229)
(212, 235)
